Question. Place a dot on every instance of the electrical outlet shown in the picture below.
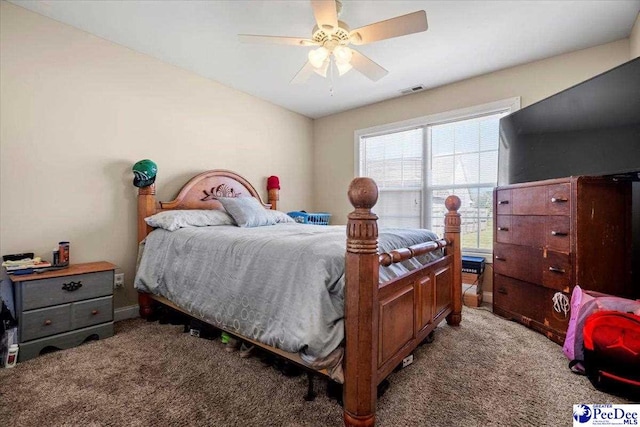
(407, 361)
(118, 280)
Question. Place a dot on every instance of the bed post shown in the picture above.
(273, 197)
(146, 207)
(452, 234)
(361, 306)
(273, 189)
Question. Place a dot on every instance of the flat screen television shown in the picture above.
(592, 128)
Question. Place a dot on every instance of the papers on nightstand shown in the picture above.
(14, 267)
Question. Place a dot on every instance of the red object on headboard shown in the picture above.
(273, 182)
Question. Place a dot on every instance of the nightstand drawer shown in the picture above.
(91, 312)
(47, 292)
(45, 321)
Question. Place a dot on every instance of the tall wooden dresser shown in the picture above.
(552, 235)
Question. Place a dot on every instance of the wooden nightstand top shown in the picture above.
(90, 267)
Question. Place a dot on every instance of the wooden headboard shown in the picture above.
(201, 192)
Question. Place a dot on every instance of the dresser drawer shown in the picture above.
(48, 292)
(520, 230)
(44, 322)
(520, 262)
(91, 312)
(552, 199)
(531, 302)
(503, 202)
(557, 272)
(558, 233)
(559, 199)
(529, 200)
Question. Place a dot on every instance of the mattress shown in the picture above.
(282, 285)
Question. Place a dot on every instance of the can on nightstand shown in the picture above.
(63, 253)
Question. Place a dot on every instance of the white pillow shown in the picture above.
(249, 212)
(281, 217)
(172, 220)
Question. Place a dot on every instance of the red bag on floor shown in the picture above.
(612, 351)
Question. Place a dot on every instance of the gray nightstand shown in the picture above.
(63, 308)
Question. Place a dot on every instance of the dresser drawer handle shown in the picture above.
(47, 322)
(559, 200)
(503, 228)
(503, 202)
(502, 290)
(499, 258)
(559, 233)
(94, 312)
(72, 286)
(557, 270)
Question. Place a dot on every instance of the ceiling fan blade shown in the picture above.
(367, 67)
(303, 75)
(326, 14)
(296, 41)
(399, 26)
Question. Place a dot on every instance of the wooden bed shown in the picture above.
(384, 322)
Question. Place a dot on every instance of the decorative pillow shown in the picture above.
(281, 217)
(249, 212)
(172, 220)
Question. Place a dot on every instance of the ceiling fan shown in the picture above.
(333, 38)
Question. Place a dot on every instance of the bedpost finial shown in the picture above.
(363, 193)
(453, 203)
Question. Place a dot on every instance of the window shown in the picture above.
(419, 163)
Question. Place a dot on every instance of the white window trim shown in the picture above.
(511, 104)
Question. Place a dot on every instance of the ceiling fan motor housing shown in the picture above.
(339, 35)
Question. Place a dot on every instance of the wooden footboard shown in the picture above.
(386, 322)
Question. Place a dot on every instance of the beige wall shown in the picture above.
(634, 39)
(78, 111)
(334, 135)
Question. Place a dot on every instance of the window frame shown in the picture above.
(509, 105)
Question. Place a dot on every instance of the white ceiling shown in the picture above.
(464, 39)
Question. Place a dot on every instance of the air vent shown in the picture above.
(413, 89)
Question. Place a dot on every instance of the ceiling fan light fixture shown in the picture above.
(343, 67)
(333, 37)
(317, 57)
(343, 54)
(322, 69)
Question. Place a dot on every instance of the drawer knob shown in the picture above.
(559, 233)
(559, 200)
(503, 228)
(502, 290)
(557, 270)
(72, 286)
(94, 312)
(47, 322)
(499, 258)
(503, 202)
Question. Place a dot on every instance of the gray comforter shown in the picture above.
(282, 285)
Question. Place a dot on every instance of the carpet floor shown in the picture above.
(488, 371)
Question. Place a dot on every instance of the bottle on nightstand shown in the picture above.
(12, 356)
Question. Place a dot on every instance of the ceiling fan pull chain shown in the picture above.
(331, 66)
